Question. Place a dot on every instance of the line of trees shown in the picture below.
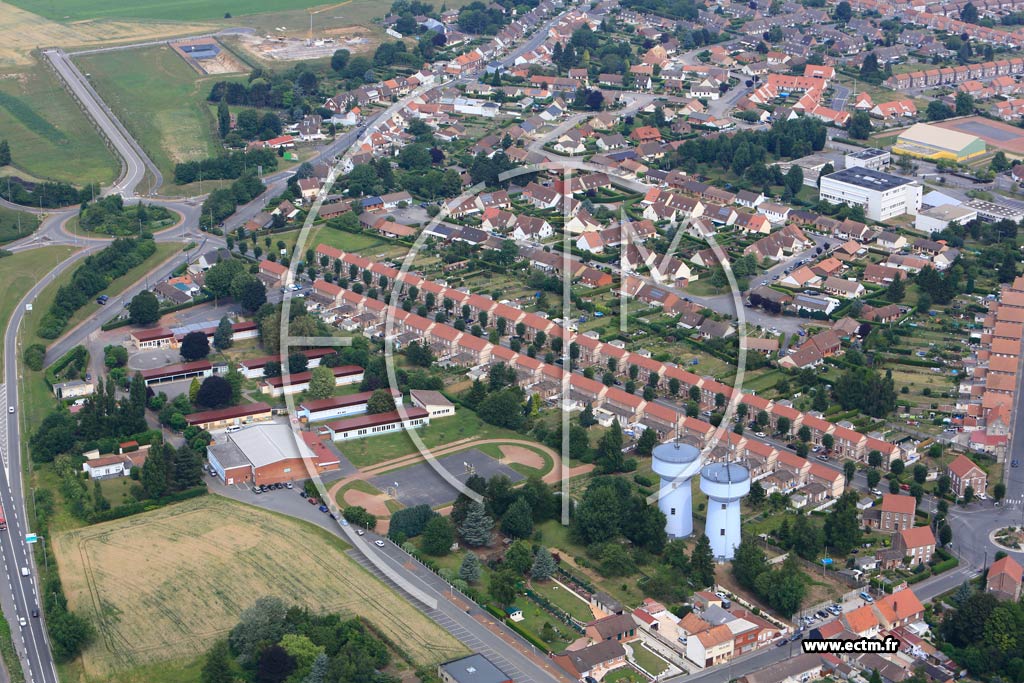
(49, 194)
(225, 167)
(223, 202)
(91, 278)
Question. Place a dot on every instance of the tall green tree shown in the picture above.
(518, 520)
(476, 528)
(544, 566)
(842, 525)
(438, 536)
(702, 563)
(469, 570)
(222, 338)
(144, 309)
(223, 119)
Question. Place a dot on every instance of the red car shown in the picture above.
(312, 501)
(904, 487)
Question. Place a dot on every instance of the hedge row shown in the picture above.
(124, 322)
(129, 509)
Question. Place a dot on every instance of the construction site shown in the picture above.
(330, 29)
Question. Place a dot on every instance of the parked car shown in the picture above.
(323, 508)
(781, 642)
(312, 501)
(256, 489)
(361, 532)
(288, 485)
(379, 543)
(904, 487)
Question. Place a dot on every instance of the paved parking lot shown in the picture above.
(422, 484)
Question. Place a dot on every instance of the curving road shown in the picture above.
(134, 162)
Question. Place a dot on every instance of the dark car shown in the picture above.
(35, 612)
(781, 642)
(323, 508)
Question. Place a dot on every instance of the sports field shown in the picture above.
(50, 137)
(165, 584)
(996, 133)
(172, 122)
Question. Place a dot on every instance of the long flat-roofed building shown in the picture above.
(270, 453)
(925, 141)
(882, 195)
(231, 416)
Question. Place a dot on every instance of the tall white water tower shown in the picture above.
(676, 463)
(725, 483)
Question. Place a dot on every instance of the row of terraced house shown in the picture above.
(352, 311)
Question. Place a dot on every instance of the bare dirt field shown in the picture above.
(164, 584)
(22, 31)
(522, 455)
(275, 48)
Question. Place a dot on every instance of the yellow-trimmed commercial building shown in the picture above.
(933, 143)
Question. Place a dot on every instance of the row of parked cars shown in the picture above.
(263, 488)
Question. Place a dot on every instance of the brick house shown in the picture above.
(963, 473)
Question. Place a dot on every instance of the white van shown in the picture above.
(24, 571)
(233, 428)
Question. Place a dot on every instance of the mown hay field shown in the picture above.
(165, 584)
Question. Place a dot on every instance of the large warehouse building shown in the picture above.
(882, 195)
(932, 142)
(270, 453)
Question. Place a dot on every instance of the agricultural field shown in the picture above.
(21, 31)
(164, 584)
(173, 122)
(195, 10)
(50, 137)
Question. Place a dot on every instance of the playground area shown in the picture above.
(423, 484)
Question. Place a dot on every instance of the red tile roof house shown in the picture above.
(894, 514)
(917, 543)
(1004, 579)
(963, 473)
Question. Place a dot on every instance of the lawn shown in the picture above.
(49, 135)
(624, 674)
(164, 584)
(346, 241)
(42, 303)
(173, 122)
(175, 10)
(647, 660)
(565, 600)
(463, 425)
(21, 271)
(16, 224)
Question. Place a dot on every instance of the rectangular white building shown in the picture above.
(938, 218)
(882, 195)
(873, 158)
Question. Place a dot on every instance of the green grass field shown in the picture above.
(21, 271)
(463, 425)
(49, 135)
(176, 10)
(16, 224)
(171, 122)
(45, 298)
